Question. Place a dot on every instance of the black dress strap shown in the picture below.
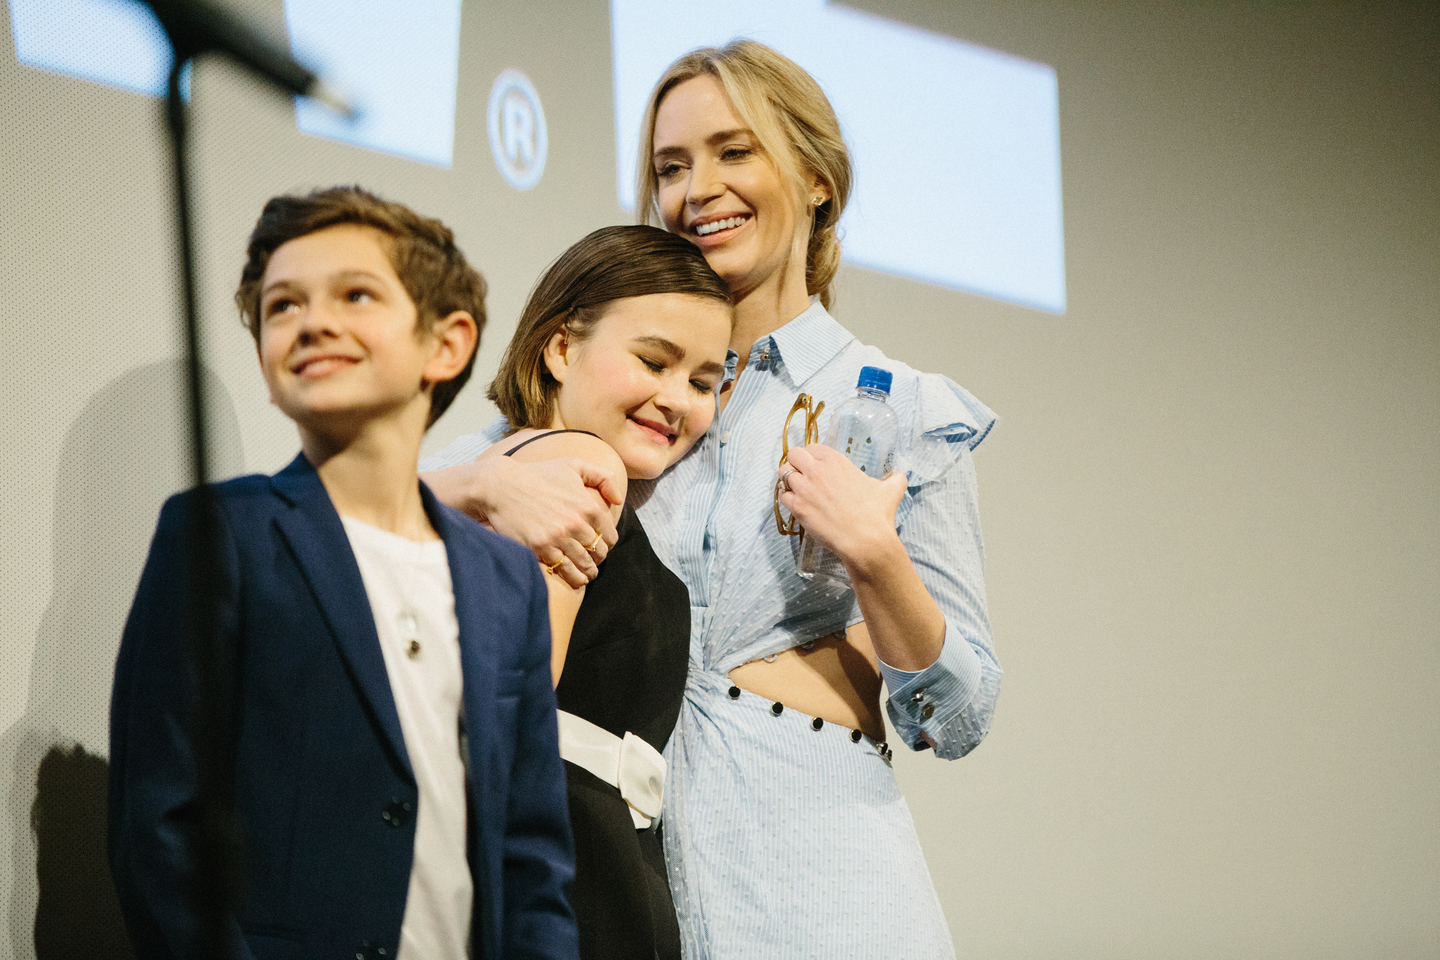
(548, 433)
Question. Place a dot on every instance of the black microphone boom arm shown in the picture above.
(201, 26)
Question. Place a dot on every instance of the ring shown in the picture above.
(591, 548)
(785, 477)
(552, 567)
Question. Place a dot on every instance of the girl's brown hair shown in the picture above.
(795, 125)
(608, 265)
(422, 250)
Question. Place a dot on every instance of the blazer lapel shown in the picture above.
(316, 537)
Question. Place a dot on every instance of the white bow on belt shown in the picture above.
(628, 763)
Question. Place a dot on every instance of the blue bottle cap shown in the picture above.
(873, 378)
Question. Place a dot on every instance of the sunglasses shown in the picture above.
(784, 522)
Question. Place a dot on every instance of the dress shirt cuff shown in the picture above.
(926, 701)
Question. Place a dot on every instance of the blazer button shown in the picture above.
(397, 813)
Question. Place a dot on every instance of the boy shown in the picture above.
(363, 629)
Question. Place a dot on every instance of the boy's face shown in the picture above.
(338, 340)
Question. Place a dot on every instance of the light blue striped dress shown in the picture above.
(783, 840)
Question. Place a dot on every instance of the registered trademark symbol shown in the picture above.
(517, 130)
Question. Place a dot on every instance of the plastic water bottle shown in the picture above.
(863, 428)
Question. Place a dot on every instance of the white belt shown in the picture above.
(626, 762)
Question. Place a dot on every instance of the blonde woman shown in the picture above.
(785, 833)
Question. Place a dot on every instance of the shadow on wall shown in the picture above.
(78, 915)
(122, 457)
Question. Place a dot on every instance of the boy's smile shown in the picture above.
(321, 365)
(339, 340)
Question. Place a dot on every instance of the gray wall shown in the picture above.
(1212, 506)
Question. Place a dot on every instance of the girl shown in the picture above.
(616, 360)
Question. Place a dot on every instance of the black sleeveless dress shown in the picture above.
(624, 671)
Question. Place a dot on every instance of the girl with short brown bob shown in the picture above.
(617, 359)
(611, 264)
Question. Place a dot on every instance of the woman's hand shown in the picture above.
(852, 515)
(546, 505)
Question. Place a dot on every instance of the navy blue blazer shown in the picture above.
(325, 795)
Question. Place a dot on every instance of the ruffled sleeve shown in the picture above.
(946, 420)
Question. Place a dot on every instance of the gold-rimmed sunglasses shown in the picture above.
(786, 524)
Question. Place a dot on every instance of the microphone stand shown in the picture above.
(194, 27)
(215, 877)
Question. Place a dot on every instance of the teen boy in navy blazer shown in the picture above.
(398, 787)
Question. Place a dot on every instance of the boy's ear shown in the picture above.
(456, 336)
(557, 355)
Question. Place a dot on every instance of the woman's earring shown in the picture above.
(816, 201)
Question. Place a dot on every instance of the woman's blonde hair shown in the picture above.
(794, 124)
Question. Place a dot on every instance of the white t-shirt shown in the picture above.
(413, 602)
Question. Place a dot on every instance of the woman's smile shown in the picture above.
(718, 228)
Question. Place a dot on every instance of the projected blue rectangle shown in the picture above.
(397, 62)
(115, 42)
(956, 148)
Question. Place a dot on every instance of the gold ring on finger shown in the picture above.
(595, 544)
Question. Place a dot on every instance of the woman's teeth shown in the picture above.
(714, 225)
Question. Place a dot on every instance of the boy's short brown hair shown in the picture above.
(422, 250)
